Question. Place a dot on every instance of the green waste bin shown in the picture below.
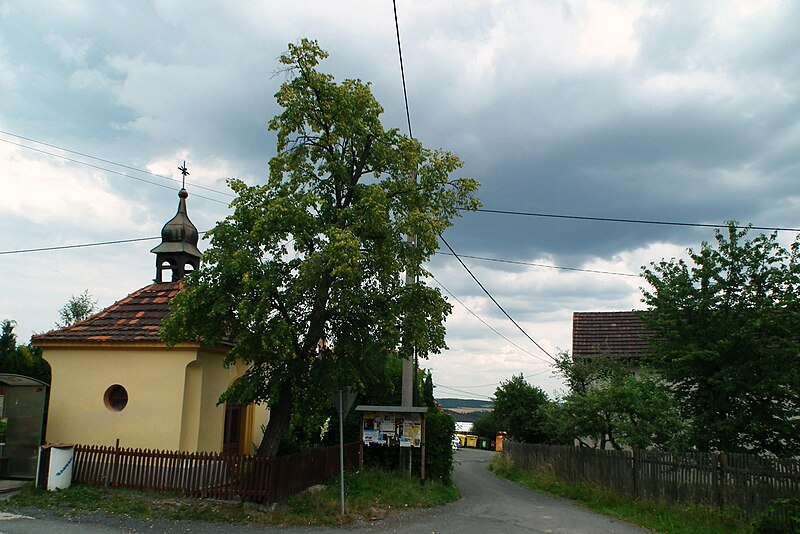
(483, 443)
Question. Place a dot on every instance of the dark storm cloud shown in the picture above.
(676, 111)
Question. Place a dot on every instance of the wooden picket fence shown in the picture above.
(209, 475)
(748, 482)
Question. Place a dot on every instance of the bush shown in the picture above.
(439, 429)
(783, 515)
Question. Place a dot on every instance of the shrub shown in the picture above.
(439, 429)
(783, 515)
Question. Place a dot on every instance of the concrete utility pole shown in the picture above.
(407, 390)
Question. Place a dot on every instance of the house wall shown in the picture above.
(190, 419)
(153, 378)
(216, 379)
(172, 398)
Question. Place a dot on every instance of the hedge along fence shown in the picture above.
(748, 482)
(210, 475)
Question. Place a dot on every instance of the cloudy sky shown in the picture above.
(666, 111)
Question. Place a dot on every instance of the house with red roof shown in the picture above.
(621, 334)
(114, 379)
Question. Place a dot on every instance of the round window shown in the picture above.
(116, 398)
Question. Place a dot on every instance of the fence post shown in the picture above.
(636, 466)
(114, 467)
(723, 475)
(715, 489)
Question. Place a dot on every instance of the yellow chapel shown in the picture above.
(114, 379)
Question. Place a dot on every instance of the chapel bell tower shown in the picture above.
(178, 250)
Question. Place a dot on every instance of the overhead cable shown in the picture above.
(576, 269)
(494, 299)
(124, 175)
(630, 221)
(82, 245)
(462, 391)
(485, 323)
(402, 70)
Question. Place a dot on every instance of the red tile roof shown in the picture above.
(613, 333)
(135, 318)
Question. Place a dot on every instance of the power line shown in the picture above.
(462, 391)
(106, 170)
(82, 245)
(630, 221)
(402, 70)
(83, 154)
(485, 323)
(408, 118)
(525, 376)
(493, 299)
(576, 269)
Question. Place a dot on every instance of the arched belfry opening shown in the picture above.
(178, 250)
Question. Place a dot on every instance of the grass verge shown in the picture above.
(369, 494)
(667, 518)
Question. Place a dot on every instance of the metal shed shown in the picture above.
(22, 405)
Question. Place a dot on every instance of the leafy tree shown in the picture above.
(487, 425)
(8, 339)
(518, 408)
(76, 309)
(727, 337)
(23, 360)
(439, 430)
(427, 391)
(303, 279)
(608, 406)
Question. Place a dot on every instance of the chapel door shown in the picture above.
(231, 441)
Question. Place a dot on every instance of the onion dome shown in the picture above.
(178, 250)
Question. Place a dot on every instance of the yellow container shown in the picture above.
(472, 441)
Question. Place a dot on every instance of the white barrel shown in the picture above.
(59, 475)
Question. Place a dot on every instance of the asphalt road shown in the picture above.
(489, 505)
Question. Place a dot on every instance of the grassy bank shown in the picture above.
(369, 494)
(661, 517)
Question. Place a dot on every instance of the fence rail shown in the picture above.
(209, 475)
(748, 482)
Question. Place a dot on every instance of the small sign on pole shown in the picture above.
(343, 400)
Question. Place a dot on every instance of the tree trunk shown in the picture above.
(279, 416)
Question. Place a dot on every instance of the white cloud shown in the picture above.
(680, 110)
(93, 81)
(70, 51)
(61, 195)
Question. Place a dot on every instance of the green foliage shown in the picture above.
(487, 425)
(609, 405)
(315, 253)
(726, 338)
(427, 392)
(519, 410)
(439, 430)
(23, 360)
(783, 515)
(314, 410)
(76, 309)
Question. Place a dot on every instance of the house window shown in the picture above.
(116, 398)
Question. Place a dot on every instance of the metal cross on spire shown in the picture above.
(185, 173)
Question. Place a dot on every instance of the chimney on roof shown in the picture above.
(178, 250)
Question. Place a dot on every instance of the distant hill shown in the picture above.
(466, 410)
